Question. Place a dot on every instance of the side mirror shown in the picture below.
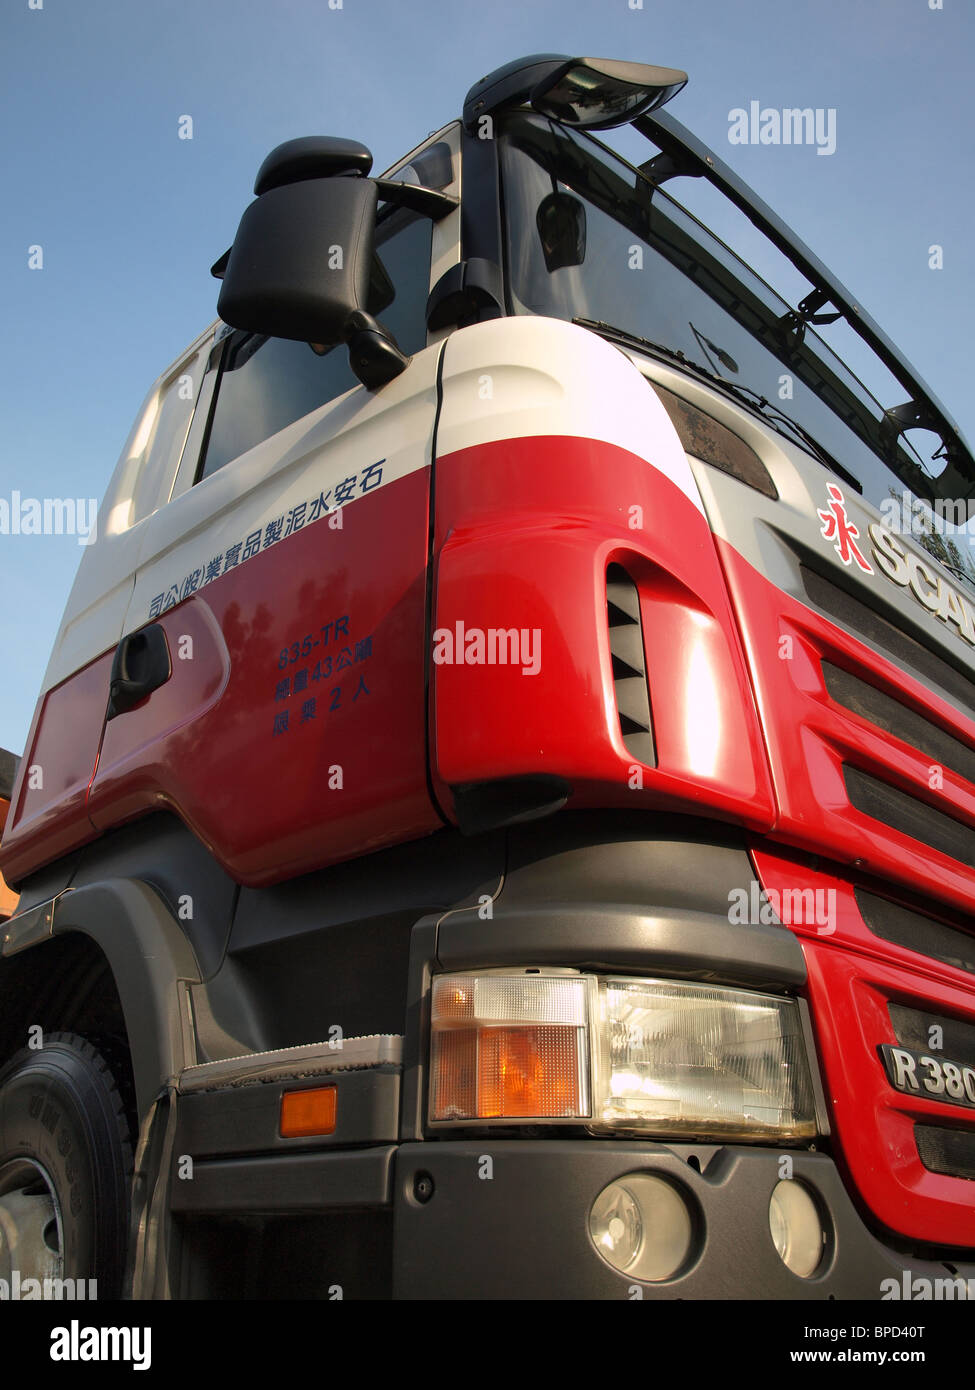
(561, 223)
(302, 258)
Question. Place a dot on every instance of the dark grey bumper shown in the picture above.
(522, 1233)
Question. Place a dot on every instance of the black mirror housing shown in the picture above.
(300, 263)
(561, 223)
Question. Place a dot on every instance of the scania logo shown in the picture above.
(934, 593)
(899, 564)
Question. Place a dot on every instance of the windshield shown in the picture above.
(589, 238)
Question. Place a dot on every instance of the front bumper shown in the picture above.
(517, 1227)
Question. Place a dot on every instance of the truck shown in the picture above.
(499, 817)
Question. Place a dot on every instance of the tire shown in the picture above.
(65, 1165)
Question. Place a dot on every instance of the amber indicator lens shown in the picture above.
(306, 1113)
(509, 1047)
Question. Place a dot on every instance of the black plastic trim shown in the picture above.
(152, 965)
(678, 944)
(913, 1030)
(892, 641)
(305, 1182)
(480, 219)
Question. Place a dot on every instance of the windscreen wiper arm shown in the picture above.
(778, 419)
(772, 413)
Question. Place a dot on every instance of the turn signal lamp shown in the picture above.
(306, 1113)
(509, 1047)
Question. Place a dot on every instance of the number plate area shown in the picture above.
(922, 1074)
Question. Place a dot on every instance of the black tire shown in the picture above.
(61, 1109)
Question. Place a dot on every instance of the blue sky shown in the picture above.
(130, 217)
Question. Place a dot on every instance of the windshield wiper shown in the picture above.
(772, 413)
(775, 417)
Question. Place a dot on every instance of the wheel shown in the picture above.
(65, 1163)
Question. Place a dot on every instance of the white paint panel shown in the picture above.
(311, 456)
(523, 376)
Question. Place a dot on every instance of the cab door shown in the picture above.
(288, 579)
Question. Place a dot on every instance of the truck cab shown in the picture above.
(506, 765)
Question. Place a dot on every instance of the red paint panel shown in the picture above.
(875, 1123)
(853, 975)
(810, 737)
(48, 820)
(268, 803)
(527, 529)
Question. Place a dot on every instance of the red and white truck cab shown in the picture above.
(499, 820)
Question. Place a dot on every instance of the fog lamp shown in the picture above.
(797, 1232)
(642, 1226)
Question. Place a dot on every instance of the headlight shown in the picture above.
(696, 1059)
(618, 1054)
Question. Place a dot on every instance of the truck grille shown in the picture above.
(914, 1029)
(890, 640)
(872, 704)
(949, 1151)
(875, 743)
(871, 735)
(910, 816)
(916, 931)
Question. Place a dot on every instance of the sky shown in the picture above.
(129, 216)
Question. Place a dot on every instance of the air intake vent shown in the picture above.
(916, 1030)
(916, 931)
(893, 643)
(871, 703)
(629, 664)
(950, 1151)
(910, 816)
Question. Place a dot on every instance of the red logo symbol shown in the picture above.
(837, 527)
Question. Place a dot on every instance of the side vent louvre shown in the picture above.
(629, 665)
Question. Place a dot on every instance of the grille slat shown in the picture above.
(915, 931)
(906, 724)
(910, 816)
(913, 1030)
(892, 642)
(949, 1151)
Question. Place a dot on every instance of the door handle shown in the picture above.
(142, 664)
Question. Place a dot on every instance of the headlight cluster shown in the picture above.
(618, 1054)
